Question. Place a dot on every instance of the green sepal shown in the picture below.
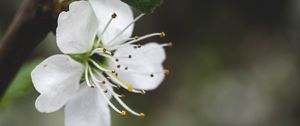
(145, 6)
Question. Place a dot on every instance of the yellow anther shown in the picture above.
(142, 115)
(136, 37)
(162, 34)
(130, 88)
(123, 113)
(113, 71)
(166, 71)
(114, 15)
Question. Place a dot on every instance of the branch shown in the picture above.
(33, 21)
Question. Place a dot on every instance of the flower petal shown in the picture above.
(56, 78)
(76, 28)
(145, 70)
(104, 10)
(87, 108)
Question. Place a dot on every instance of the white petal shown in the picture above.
(104, 9)
(145, 61)
(56, 78)
(76, 28)
(87, 108)
(151, 52)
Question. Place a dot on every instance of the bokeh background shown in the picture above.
(234, 63)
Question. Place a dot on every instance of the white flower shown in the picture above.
(99, 56)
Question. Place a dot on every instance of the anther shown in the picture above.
(92, 86)
(136, 37)
(104, 50)
(151, 75)
(113, 71)
(103, 82)
(117, 60)
(129, 56)
(105, 91)
(130, 88)
(139, 45)
(123, 113)
(114, 15)
(170, 44)
(166, 71)
(126, 68)
(162, 34)
(118, 66)
(142, 115)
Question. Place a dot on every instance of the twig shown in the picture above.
(34, 20)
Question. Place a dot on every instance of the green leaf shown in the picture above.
(145, 6)
(21, 85)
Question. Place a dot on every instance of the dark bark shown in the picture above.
(33, 21)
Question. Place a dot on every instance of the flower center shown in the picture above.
(100, 75)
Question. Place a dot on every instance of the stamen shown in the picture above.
(123, 113)
(98, 66)
(87, 77)
(142, 115)
(136, 40)
(136, 19)
(108, 101)
(100, 51)
(162, 34)
(113, 16)
(166, 71)
(123, 84)
(169, 44)
(125, 106)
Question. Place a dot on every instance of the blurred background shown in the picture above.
(233, 63)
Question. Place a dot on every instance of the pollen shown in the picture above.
(162, 34)
(123, 113)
